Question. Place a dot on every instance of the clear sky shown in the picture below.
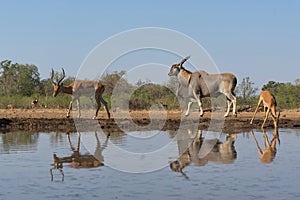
(259, 39)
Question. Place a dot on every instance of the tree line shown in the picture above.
(21, 83)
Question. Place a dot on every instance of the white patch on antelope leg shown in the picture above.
(78, 106)
(201, 112)
(228, 108)
(188, 108)
(200, 107)
(234, 107)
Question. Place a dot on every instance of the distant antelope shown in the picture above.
(201, 84)
(269, 103)
(10, 106)
(34, 103)
(80, 88)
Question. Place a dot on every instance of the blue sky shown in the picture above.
(259, 39)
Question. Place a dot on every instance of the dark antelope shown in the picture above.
(80, 88)
(77, 160)
(34, 103)
(201, 84)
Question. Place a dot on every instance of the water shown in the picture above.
(238, 172)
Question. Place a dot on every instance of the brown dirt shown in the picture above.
(48, 120)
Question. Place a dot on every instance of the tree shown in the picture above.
(28, 80)
(297, 81)
(172, 84)
(7, 77)
(272, 86)
(19, 79)
(246, 90)
(287, 94)
(114, 81)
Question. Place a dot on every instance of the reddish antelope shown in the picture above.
(269, 103)
(201, 84)
(268, 154)
(80, 88)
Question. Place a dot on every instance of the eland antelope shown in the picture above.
(201, 84)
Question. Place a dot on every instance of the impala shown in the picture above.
(78, 160)
(269, 152)
(80, 88)
(269, 103)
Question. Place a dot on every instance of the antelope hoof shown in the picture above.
(68, 116)
(94, 117)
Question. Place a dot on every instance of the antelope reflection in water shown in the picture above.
(268, 154)
(189, 152)
(77, 160)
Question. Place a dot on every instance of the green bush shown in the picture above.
(20, 84)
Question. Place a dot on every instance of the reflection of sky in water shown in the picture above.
(140, 152)
(25, 171)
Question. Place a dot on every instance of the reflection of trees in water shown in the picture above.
(19, 141)
(117, 137)
(56, 137)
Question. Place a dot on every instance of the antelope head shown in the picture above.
(176, 166)
(57, 85)
(175, 69)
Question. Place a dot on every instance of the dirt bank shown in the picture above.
(47, 120)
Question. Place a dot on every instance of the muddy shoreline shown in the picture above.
(53, 120)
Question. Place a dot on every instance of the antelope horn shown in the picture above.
(63, 76)
(52, 76)
(183, 61)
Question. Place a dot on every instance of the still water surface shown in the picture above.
(233, 169)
